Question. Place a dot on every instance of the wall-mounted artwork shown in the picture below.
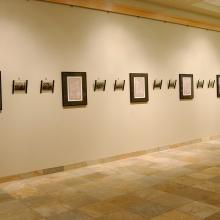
(211, 83)
(0, 91)
(172, 84)
(74, 88)
(47, 86)
(19, 86)
(200, 84)
(186, 88)
(218, 85)
(157, 84)
(138, 87)
(99, 85)
(119, 85)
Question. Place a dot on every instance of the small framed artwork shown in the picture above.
(200, 84)
(139, 87)
(172, 84)
(186, 88)
(119, 85)
(99, 85)
(0, 91)
(211, 83)
(47, 86)
(158, 84)
(19, 86)
(218, 85)
(74, 88)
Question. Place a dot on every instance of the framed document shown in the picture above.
(218, 85)
(186, 86)
(0, 92)
(74, 88)
(139, 87)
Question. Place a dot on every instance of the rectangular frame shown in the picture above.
(80, 78)
(23, 89)
(181, 86)
(0, 91)
(133, 93)
(218, 85)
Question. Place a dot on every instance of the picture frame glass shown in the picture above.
(187, 82)
(139, 87)
(75, 88)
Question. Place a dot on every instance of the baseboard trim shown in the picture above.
(103, 160)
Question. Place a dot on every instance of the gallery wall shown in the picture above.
(40, 40)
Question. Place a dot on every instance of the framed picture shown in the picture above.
(186, 88)
(138, 87)
(218, 85)
(74, 88)
(0, 91)
(19, 86)
(47, 86)
(99, 85)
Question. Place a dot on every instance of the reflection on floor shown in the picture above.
(177, 184)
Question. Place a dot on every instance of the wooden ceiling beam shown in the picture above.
(108, 6)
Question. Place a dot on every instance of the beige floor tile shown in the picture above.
(199, 209)
(175, 215)
(121, 215)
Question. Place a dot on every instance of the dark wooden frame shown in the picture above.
(0, 91)
(48, 90)
(64, 76)
(132, 98)
(181, 76)
(217, 85)
(24, 90)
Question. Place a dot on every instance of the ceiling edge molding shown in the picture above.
(103, 5)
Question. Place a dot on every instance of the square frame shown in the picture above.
(65, 88)
(181, 86)
(133, 96)
(218, 85)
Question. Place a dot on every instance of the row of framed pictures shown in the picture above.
(74, 87)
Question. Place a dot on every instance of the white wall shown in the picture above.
(39, 40)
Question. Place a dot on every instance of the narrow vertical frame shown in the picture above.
(181, 86)
(133, 97)
(0, 91)
(218, 85)
(65, 91)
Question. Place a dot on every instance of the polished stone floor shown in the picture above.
(176, 184)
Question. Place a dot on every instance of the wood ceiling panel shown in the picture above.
(110, 6)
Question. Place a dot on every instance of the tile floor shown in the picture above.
(176, 184)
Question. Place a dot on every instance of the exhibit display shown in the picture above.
(0, 91)
(74, 88)
(172, 84)
(138, 87)
(157, 84)
(218, 85)
(47, 86)
(200, 84)
(211, 83)
(119, 85)
(186, 88)
(19, 86)
(99, 85)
